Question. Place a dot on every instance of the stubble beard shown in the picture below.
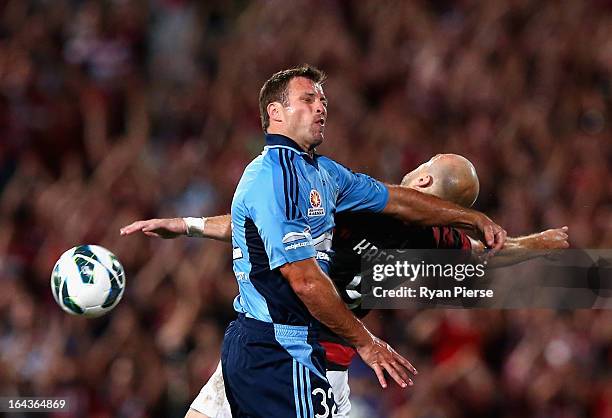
(316, 141)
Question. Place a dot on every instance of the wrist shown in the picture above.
(194, 227)
(365, 339)
(474, 219)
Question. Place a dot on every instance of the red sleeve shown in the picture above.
(338, 354)
(450, 238)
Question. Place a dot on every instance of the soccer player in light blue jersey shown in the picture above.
(282, 219)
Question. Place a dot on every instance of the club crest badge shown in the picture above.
(316, 208)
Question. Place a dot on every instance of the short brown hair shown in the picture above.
(275, 88)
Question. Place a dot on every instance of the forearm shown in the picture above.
(414, 207)
(214, 227)
(535, 241)
(320, 297)
(218, 228)
(324, 303)
(515, 250)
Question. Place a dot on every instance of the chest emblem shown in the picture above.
(315, 208)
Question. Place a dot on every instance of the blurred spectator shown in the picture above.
(117, 110)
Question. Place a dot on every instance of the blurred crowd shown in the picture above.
(113, 111)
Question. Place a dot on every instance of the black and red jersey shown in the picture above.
(358, 234)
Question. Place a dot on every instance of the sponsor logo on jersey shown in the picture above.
(323, 256)
(296, 236)
(315, 203)
(298, 245)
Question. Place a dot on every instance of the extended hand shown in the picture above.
(161, 228)
(379, 355)
(554, 239)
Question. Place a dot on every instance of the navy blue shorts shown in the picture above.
(262, 378)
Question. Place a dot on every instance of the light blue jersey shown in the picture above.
(283, 211)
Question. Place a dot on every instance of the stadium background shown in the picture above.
(121, 110)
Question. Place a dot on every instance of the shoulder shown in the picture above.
(331, 164)
(269, 177)
(339, 171)
(256, 174)
(278, 160)
(268, 163)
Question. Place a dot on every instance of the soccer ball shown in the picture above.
(87, 280)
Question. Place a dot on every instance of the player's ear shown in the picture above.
(423, 181)
(275, 111)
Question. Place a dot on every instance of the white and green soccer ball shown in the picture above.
(87, 280)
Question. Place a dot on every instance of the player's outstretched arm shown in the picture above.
(318, 293)
(215, 227)
(551, 239)
(415, 207)
(517, 250)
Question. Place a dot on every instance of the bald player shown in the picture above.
(449, 176)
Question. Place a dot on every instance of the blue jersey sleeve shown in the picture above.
(358, 191)
(281, 225)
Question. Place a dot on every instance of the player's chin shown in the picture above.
(317, 139)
